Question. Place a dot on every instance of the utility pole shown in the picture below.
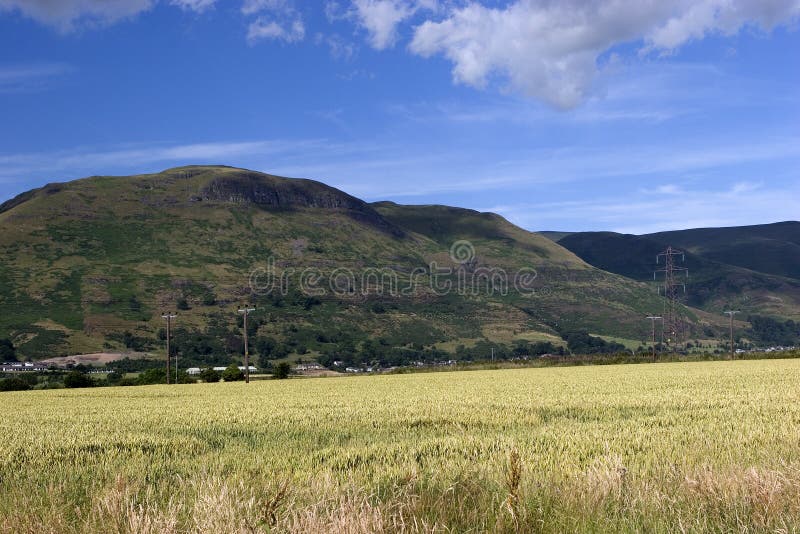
(169, 317)
(653, 319)
(246, 311)
(673, 320)
(731, 313)
(492, 353)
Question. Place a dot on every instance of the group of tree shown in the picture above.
(381, 353)
(8, 353)
(14, 383)
(770, 331)
(580, 342)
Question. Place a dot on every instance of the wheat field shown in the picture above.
(694, 447)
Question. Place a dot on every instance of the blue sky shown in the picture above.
(573, 115)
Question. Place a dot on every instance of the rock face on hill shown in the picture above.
(272, 192)
(267, 191)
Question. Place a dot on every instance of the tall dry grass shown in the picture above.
(605, 498)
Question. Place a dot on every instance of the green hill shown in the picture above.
(90, 265)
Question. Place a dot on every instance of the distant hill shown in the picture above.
(754, 268)
(554, 236)
(765, 248)
(89, 265)
(445, 225)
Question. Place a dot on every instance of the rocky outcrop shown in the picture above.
(271, 192)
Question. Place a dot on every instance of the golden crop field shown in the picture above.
(660, 447)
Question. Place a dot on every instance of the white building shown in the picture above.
(309, 367)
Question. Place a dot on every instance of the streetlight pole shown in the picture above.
(245, 310)
(653, 319)
(731, 313)
(169, 317)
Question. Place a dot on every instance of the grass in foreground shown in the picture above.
(681, 446)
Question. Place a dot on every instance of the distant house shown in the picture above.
(241, 368)
(21, 367)
(193, 371)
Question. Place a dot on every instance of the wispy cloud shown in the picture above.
(269, 29)
(31, 77)
(277, 20)
(77, 161)
(340, 48)
(738, 204)
(647, 94)
(646, 189)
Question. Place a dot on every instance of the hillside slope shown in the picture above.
(90, 265)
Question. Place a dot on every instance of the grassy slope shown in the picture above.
(574, 294)
(712, 447)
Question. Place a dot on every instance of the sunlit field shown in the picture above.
(659, 447)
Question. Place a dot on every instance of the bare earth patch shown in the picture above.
(98, 359)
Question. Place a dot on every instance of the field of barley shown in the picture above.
(701, 447)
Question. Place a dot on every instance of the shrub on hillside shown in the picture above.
(75, 379)
(209, 375)
(232, 373)
(152, 376)
(282, 371)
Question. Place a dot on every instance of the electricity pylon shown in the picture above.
(673, 318)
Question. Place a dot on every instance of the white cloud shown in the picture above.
(290, 32)
(550, 50)
(277, 20)
(695, 20)
(382, 17)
